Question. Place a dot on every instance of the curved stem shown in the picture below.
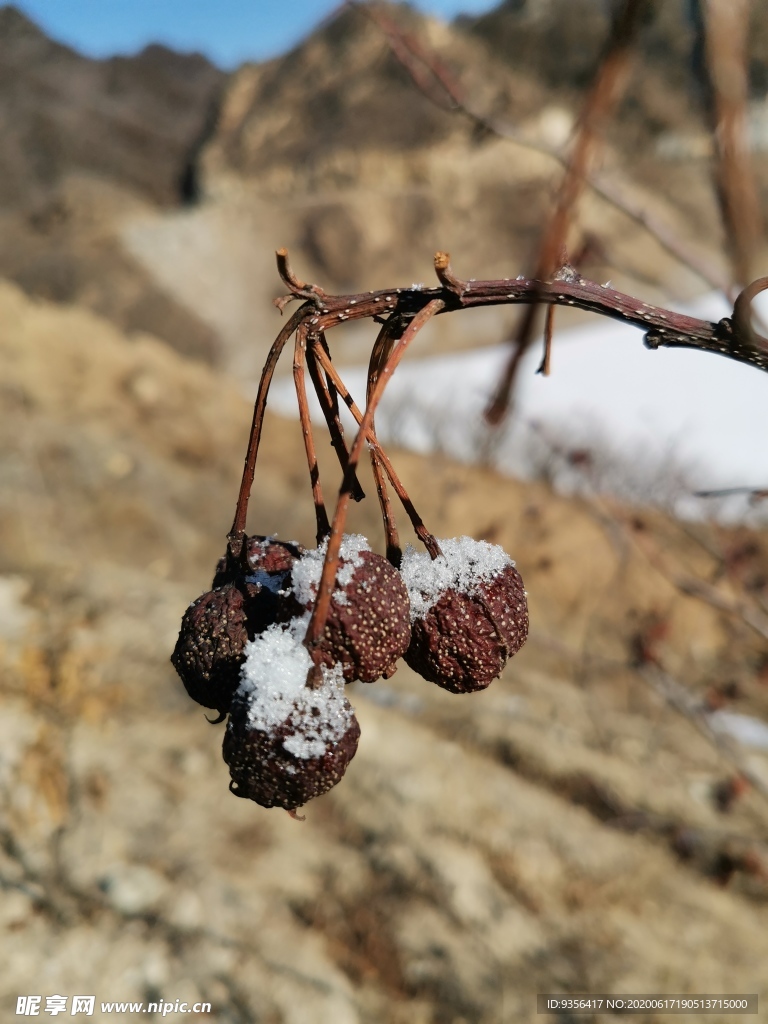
(742, 313)
(300, 289)
(299, 352)
(328, 398)
(427, 539)
(237, 531)
(328, 577)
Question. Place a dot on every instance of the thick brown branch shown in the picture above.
(732, 337)
(662, 327)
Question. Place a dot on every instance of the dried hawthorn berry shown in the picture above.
(209, 650)
(368, 625)
(469, 613)
(245, 599)
(262, 770)
(291, 732)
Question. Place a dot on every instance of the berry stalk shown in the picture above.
(427, 539)
(328, 397)
(299, 353)
(328, 577)
(237, 532)
(380, 352)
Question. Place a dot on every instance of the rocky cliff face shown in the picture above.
(85, 144)
(333, 151)
(135, 121)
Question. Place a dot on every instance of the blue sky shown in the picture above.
(227, 31)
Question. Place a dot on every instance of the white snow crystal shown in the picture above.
(464, 565)
(749, 731)
(262, 545)
(273, 685)
(307, 571)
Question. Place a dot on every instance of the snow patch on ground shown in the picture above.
(650, 426)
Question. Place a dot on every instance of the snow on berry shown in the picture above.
(288, 741)
(247, 596)
(308, 570)
(368, 623)
(468, 613)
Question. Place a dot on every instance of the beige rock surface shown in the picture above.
(556, 832)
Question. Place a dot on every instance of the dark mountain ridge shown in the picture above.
(134, 120)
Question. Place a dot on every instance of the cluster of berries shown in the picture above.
(292, 731)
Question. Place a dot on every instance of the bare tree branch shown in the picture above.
(726, 29)
(404, 311)
(432, 78)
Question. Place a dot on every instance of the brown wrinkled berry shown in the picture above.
(292, 731)
(368, 625)
(470, 614)
(245, 599)
(262, 770)
(260, 554)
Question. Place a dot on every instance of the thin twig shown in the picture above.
(689, 585)
(321, 516)
(427, 539)
(237, 532)
(416, 58)
(755, 493)
(328, 577)
(678, 697)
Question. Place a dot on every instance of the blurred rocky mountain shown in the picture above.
(133, 120)
(154, 189)
(530, 35)
(85, 144)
